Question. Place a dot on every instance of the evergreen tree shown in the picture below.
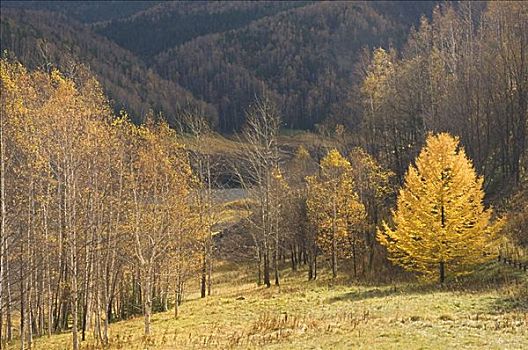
(440, 224)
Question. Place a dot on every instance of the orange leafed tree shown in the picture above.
(440, 223)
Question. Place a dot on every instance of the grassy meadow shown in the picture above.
(489, 312)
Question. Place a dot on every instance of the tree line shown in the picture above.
(101, 218)
(336, 209)
(464, 72)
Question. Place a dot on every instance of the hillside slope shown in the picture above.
(169, 24)
(304, 56)
(327, 315)
(301, 54)
(40, 39)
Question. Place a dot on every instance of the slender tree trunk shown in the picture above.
(209, 231)
(105, 298)
(97, 293)
(267, 281)
(41, 298)
(74, 296)
(9, 321)
(98, 335)
(29, 263)
(165, 298)
(22, 301)
(62, 267)
(73, 245)
(275, 268)
(47, 275)
(315, 264)
(311, 266)
(259, 267)
(182, 291)
(210, 268)
(442, 272)
(276, 253)
(442, 263)
(334, 241)
(267, 229)
(1, 293)
(147, 298)
(292, 256)
(87, 293)
(354, 258)
(3, 230)
(371, 254)
(29, 309)
(112, 293)
(177, 295)
(203, 282)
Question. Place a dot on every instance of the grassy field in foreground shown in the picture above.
(319, 315)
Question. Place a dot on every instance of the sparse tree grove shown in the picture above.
(104, 218)
(97, 220)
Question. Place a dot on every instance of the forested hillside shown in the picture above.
(301, 54)
(464, 72)
(86, 11)
(171, 24)
(304, 58)
(45, 39)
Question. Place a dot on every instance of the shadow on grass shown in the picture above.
(514, 298)
(510, 304)
(363, 293)
(511, 285)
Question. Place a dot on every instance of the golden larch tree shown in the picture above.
(440, 223)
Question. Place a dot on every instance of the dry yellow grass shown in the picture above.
(319, 315)
(217, 144)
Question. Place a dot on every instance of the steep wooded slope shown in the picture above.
(305, 56)
(169, 24)
(41, 39)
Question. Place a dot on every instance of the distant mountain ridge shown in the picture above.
(170, 24)
(304, 56)
(213, 57)
(86, 11)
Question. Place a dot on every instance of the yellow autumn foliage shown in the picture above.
(440, 223)
(334, 207)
